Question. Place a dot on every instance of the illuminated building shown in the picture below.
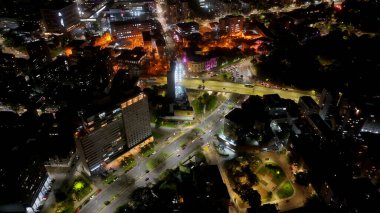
(131, 9)
(174, 76)
(359, 116)
(60, 16)
(371, 125)
(231, 25)
(187, 28)
(137, 56)
(203, 4)
(177, 10)
(172, 11)
(149, 43)
(179, 108)
(274, 105)
(197, 61)
(7, 63)
(131, 28)
(200, 64)
(110, 133)
(184, 9)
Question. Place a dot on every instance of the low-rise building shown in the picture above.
(186, 28)
(200, 63)
(137, 56)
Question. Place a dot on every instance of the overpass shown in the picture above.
(221, 86)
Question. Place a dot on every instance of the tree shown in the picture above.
(314, 205)
(249, 195)
(211, 102)
(158, 122)
(60, 196)
(302, 178)
(143, 196)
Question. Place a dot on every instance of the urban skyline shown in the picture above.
(189, 106)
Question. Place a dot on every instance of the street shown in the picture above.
(119, 191)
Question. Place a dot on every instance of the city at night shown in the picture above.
(190, 106)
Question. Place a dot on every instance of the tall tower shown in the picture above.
(174, 76)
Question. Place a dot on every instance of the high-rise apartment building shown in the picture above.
(177, 10)
(60, 16)
(110, 133)
(328, 104)
(231, 25)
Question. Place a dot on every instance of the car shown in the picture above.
(146, 171)
(178, 155)
(92, 197)
(146, 179)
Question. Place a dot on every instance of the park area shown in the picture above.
(248, 172)
(272, 180)
(69, 193)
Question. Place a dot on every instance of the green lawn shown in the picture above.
(157, 135)
(225, 76)
(81, 188)
(169, 124)
(147, 150)
(129, 166)
(110, 178)
(274, 171)
(55, 51)
(66, 206)
(183, 144)
(286, 190)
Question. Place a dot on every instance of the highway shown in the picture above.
(119, 191)
(238, 88)
(260, 90)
